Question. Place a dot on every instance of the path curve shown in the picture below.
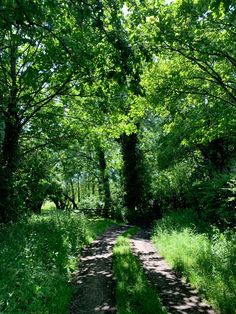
(94, 283)
(176, 295)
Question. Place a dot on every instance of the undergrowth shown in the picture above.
(133, 293)
(207, 260)
(36, 260)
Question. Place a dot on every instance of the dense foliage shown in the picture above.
(106, 106)
(123, 109)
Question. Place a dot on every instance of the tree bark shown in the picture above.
(105, 185)
(70, 199)
(9, 150)
(131, 175)
(8, 165)
(72, 190)
(78, 191)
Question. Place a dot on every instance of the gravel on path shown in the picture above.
(176, 295)
(93, 282)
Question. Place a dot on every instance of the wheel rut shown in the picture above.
(93, 282)
(176, 295)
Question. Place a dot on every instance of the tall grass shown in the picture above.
(207, 260)
(36, 260)
(134, 294)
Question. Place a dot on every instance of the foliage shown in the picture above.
(207, 259)
(107, 105)
(37, 258)
(133, 292)
(91, 206)
(116, 108)
(189, 132)
(48, 206)
(184, 185)
(189, 169)
(216, 200)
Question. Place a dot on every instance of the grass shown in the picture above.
(207, 260)
(37, 258)
(133, 293)
(97, 226)
(48, 206)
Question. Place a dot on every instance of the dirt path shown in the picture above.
(94, 282)
(176, 296)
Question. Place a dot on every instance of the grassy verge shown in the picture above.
(134, 294)
(207, 260)
(37, 258)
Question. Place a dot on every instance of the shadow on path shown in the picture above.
(176, 295)
(93, 282)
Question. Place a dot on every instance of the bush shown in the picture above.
(170, 187)
(91, 206)
(215, 199)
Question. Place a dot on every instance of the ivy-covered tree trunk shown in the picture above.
(9, 149)
(8, 166)
(132, 176)
(104, 181)
(78, 191)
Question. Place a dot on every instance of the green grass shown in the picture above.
(97, 226)
(133, 293)
(48, 206)
(37, 258)
(207, 260)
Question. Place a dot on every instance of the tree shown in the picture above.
(44, 53)
(190, 87)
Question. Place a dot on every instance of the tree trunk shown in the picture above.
(70, 199)
(9, 149)
(105, 186)
(131, 174)
(72, 190)
(78, 191)
(8, 165)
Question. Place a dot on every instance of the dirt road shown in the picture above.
(175, 294)
(94, 283)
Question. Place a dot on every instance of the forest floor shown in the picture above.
(94, 283)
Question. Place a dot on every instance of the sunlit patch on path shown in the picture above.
(93, 281)
(176, 295)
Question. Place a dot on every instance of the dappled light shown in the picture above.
(48, 206)
(36, 266)
(177, 296)
(94, 280)
(133, 292)
(113, 113)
